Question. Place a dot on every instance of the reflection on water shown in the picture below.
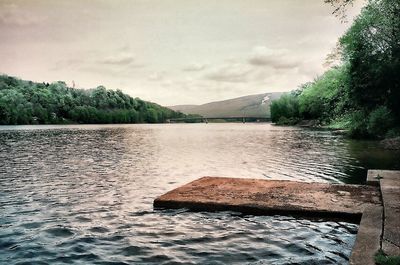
(370, 155)
(83, 194)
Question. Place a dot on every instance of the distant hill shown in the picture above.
(27, 102)
(248, 106)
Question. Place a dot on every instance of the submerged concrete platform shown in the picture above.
(378, 203)
(266, 197)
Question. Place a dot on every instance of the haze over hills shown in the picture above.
(247, 106)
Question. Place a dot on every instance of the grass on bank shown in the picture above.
(382, 259)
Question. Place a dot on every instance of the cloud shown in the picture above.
(91, 61)
(194, 67)
(118, 59)
(230, 72)
(156, 76)
(122, 57)
(12, 15)
(275, 58)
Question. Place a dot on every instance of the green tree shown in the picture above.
(372, 48)
(26, 102)
(364, 92)
(285, 108)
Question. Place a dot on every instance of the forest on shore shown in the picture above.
(27, 102)
(362, 93)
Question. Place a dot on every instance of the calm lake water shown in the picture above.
(83, 194)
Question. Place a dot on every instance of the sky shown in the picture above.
(170, 51)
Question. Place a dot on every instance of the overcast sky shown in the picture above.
(169, 51)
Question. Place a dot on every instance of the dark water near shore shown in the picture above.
(83, 194)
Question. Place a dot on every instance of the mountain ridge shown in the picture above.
(257, 105)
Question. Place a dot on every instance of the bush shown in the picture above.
(358, 125)
(379, 122)
(341, 122)
(287, 121)
(393, 133)
(326, 96)
(287, 106)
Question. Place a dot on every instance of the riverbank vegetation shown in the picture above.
(382, 259)
(27, 102)
(362, 93)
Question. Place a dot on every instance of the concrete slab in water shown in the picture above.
(257, 196)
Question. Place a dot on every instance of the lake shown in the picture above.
(82, 194)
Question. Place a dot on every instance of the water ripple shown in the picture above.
(83, 194)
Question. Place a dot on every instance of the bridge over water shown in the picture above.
(231, 119)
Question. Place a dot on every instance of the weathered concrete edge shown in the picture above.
(371, 230)
(163, 202)
(257, 210)
(373, 177)
(368, 240)
(390, 190)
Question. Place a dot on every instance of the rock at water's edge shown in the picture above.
(391, 143)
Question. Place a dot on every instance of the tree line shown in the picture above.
(362, 93)
(27, 102)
